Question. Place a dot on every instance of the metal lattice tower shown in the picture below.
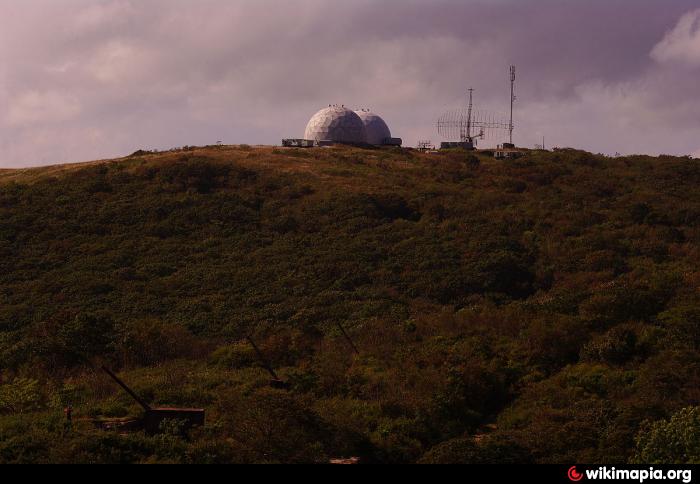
(512, 101)
(468, 135)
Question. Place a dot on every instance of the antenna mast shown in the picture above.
(512, 100)
(467, 136)
(469, 117)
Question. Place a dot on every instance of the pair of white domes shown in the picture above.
(342, 125)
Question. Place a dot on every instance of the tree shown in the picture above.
(674, 441)
(20, 396)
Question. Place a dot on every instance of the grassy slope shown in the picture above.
(555, 297)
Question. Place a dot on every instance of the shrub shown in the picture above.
(276, 427)
(673, 441)
(111, 448)
(235, 356)
(615, 347)
(683, 323)
(20, 396)
(490, 450)
(88, 334)
(151, 341)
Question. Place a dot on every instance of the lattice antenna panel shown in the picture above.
(456, 125)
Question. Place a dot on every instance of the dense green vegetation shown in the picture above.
(539, 310)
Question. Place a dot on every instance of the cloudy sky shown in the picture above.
(90, 79)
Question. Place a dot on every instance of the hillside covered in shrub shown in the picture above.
(539, 310)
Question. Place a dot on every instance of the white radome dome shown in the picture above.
(336, 123)
(377, 130)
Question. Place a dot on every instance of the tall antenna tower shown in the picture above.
(467, 136)
(512, 100)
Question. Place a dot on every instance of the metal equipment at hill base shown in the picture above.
(154, 417)
(275, 381)
(348, 338)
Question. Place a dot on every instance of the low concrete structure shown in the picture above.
(298, 143)
(449, 145)
(392, 142)
(507, 153)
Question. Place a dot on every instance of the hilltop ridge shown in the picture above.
(547, 306)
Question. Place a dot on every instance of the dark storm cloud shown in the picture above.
(84, 79)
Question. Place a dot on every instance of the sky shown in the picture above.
(94, 79)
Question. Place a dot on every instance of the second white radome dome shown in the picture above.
(377, 130)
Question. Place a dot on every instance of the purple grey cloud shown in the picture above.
(87, 79)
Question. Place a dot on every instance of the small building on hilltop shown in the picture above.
(507, 151)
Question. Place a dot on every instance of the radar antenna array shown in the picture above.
(468, 124)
